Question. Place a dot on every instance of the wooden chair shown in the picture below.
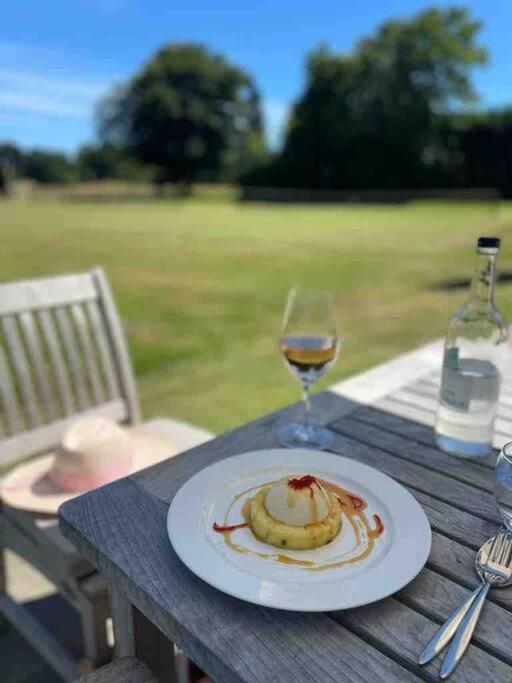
(63, 355)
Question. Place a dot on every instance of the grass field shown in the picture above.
(201, 284)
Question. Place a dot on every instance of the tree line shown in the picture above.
(397, 111)
(91, 162)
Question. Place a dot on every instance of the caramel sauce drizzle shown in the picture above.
(313, 509)
(379, 527)
(284, 559)
(352, 505)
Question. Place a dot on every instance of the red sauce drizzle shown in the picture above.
(221, 528)
(303, 482)
(357, 502)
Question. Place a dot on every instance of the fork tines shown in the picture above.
(500, 554)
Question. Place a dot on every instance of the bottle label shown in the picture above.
(456, 389)
(468, 379)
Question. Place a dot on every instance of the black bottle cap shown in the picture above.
(489, 242)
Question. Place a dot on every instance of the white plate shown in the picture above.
(396, 557)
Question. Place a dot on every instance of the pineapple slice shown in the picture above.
(287, 537)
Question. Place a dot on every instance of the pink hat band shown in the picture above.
(84, 481)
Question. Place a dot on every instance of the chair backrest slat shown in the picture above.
(118, 344)
(57, 363)
(63, 356)
(50, 292)
(32, 340)
(70, 343)
(10, 404)
(22, 370)
(84, 335)
(100, 337)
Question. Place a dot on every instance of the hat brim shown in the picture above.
(27, 487)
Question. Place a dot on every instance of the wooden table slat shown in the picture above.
(457, 494)
(426, 456)
(411, 412)
(455, 524)
(411, 398)
(430, 390)
(402, 631)
(396, 424)
(427, 417)
(437, 597)
(456, 561)
(433, 380)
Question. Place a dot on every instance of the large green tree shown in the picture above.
(484, 146)
(374, 117)
(189, 113)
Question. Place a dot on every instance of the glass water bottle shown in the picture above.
(471, 378)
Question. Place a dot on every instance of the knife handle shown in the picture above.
(463, 634)
(445, 633)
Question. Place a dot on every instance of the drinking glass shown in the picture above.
(503, 485)
(309, 345)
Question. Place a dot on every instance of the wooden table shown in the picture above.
(121, 528)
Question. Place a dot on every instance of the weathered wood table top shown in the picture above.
(121, 528)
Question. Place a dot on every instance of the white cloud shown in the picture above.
(47, 97)
(76, 87)
(276, 114)
(38, 104)
(52, 95)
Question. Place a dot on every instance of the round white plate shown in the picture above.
(397, 556)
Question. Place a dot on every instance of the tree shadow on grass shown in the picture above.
(455, 283)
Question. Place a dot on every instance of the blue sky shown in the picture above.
(58, 57)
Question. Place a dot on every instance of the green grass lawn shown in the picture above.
(201, 284)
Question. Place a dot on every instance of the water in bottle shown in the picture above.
(471, 377)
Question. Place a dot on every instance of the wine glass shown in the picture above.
(503, 485)
(309, 345)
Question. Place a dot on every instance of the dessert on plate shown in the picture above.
(296, 513)
(302, 512)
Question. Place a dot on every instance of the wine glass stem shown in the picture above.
(307, 404)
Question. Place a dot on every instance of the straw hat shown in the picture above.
(93, 452)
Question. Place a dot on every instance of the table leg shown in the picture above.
(136, 636)
(122, 623)
(154, 647)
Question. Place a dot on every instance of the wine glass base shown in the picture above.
(297, 435)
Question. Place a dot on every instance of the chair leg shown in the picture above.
(3, 585)
(94, 611)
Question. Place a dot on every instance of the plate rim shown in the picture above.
(421, 552)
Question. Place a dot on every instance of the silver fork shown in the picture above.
(445, 633)
(496, 571)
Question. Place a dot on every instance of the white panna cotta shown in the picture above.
(298, 500)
